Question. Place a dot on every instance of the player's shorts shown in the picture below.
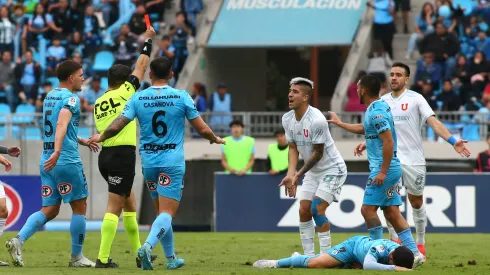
(344, 251)
(167, 182)
(64, 182)
(323, 185)
(116, 165)
(413, 179)
(387, 194)
(403, 5)
(2, 191)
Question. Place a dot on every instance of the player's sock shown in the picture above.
(407, 240)
(2, 225)
(325, 241)
(392, 231)
(307, 235)
(107, 232)
(376, 233)
(420, 219)
(168, 244)
(33, 224)
(131, 227)
(296, 261)
(77, 230)
(158, 229)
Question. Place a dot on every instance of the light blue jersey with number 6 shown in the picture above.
(161, 112)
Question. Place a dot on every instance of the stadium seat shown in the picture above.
(23, 109)
(54, 81)
(104, 83)
(103, 61)
(26, 133)
(4, 113)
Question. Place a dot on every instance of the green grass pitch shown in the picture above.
(233, 253)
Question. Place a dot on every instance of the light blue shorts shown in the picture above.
(167, 182)
(64, 182)
(387, 194)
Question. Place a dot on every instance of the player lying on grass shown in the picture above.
(359, 250)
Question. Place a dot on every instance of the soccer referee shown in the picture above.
(117, 160)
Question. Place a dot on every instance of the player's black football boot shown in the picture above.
(153, 258)
(109, 264)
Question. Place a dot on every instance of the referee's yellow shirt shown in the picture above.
(109, 106)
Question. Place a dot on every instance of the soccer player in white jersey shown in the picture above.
(410, 113)
(324, 169)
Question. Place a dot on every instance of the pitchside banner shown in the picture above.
(23, 199)
(455, 203)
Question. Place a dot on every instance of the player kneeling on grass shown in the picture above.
(371, 254)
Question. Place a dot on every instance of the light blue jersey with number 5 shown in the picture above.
(161, 112)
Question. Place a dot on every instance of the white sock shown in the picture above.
(307, 235)
(325, 241)
(392, 231)
(420, 219)
(2, 225)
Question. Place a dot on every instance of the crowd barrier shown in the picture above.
(455, 203)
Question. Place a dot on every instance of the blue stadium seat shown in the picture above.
(24, 109)
(104, 83)
(54, 81)
(4, 112)
(103, 61)
(26, 133)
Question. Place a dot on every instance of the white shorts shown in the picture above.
(413, 178)
(322, 185)
(2, 191)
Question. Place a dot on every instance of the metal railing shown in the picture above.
(27, 127)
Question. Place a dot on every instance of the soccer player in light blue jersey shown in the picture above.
(355, 252)
(61, 166)
(161, 111)
(383, 185)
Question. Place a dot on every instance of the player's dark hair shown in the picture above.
(371, 84)
(117, 75)
(305, 87)
(161, 67)
(237, 123)
(67, 68)
(403, 66)
(402, 256)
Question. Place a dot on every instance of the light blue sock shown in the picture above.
(296, 261)
(159, 228)
(78, 227)
(168, 244)
(33, 224)
(376, 233)
(407, 240)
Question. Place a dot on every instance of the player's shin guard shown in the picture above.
(131, 227)
(420, 219)
(107, 232)
(376, 233)
(325, 241)
(296, 261)
(307, 235)
(407, 240)
(78, 227)
(2, 225)
(159, 228)
(33, 224)
(168, 244)
(392, 231)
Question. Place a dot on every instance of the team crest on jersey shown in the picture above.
(305, 132)
(64, 188)
(404, 106)
(14, 205)
(72, 101)
(164, 180)
(46, 191)
(152, 186)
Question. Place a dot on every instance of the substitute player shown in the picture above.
(410, 112)
(161, 112)
(324, 169)
(13, 152)
(356, 251)
(382, 188)
(61, 166)
(117, 160)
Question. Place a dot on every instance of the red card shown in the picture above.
(147, 20)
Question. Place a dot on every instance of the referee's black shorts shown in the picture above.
(117, 165)
(403, 5)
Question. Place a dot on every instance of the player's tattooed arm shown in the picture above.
(315, 157)
(116, 126)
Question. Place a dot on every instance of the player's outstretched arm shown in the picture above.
(441, 130)
(204, 131)
(12, 151)
(114, 128)
(61, 128)
(353, 128)
(6, 163)
(144, 58)
(371, 263)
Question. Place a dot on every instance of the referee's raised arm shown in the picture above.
(144, 58)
